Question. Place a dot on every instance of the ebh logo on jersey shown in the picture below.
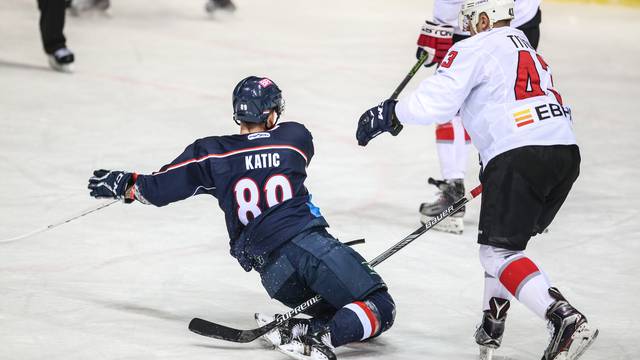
(258, 135)
(542, 112)
(523, 117)
(265, 83)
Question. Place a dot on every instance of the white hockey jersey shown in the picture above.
(503, 90)
(447, 11)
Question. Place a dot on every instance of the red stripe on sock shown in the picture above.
(444, 132)
(371, 316)
(516, 272)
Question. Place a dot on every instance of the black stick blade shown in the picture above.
(217, 331)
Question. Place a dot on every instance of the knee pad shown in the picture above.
(493, 258)
(376, 313)
(513, 269)
(363, 319)
(383, 308)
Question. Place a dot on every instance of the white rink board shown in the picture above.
(123, 283)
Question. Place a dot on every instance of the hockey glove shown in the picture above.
(436, 40)
(112, 184)
(377, 120)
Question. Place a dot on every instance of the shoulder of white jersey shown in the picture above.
(482, 41)
(471, 43)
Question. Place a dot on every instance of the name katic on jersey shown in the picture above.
(261, 161)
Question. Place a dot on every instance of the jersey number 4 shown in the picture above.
(528, 79)
(277, 189)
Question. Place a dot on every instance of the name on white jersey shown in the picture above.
(520, 43)
(261, 161)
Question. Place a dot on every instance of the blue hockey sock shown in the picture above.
(364, 319)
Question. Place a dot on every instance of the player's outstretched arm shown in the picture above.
(189, 174)
(377, 120)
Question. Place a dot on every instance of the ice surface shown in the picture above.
(152, 77)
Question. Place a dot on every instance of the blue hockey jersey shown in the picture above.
(258, 179)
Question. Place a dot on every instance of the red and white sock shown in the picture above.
(451, 142)
(369, 321)
(520, 276)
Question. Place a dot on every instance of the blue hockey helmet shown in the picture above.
(253, 99)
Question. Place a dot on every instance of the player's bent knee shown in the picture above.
(382, 312)
(493, 258)
(386, 309)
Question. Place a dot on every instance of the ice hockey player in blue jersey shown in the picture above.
(274, 228)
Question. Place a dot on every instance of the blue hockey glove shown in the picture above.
(111, 184)
(377, 120)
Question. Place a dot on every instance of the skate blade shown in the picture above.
(80, 8)
(486, 353)
(269, 338)
(293, 350)
(582, 339)
(452, 224)
(59, 67)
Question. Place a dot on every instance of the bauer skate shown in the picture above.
(489, 333)
(450, 191)
(569, 330)
(61, 60)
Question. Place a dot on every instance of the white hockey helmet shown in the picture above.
(496, 10)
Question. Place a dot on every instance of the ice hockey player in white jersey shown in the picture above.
(518, 122)
(435, 38)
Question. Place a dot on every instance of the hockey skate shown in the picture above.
(489, 332)
(213, 5)
(294, 340)
(294, 328)
(569, 330)
(61, 60)
(450, 191)
(315, 346)
(76, 7)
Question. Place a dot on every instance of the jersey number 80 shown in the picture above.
(277, 189)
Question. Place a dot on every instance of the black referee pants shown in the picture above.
(52, 14)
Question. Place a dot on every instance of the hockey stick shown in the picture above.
(354, 242)
(217, 331)
(60, 222)
(397, 127)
